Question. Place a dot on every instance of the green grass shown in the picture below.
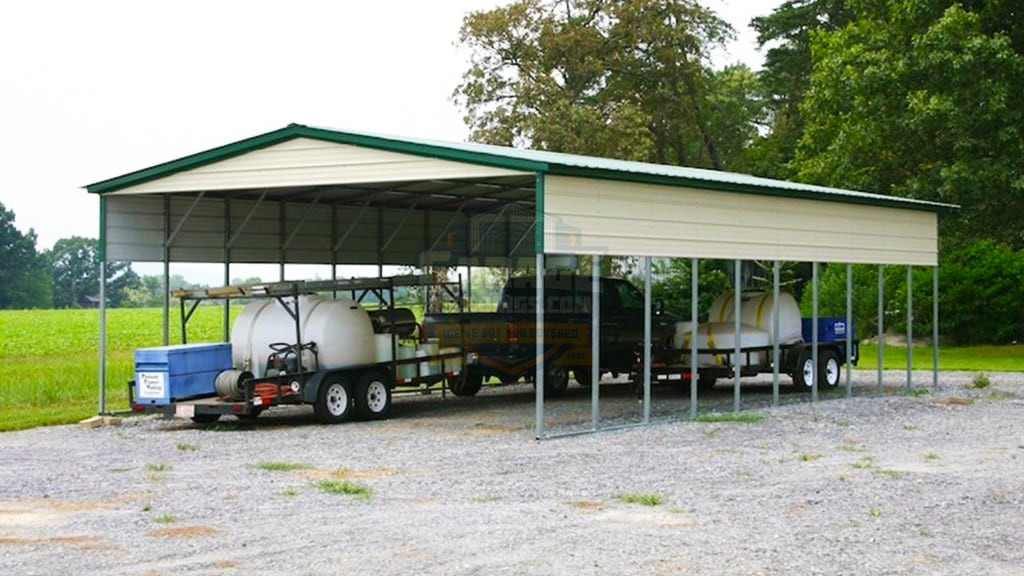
(642, 499)
(739, 417)
(970, 358)
(281, 466)
(166, 519)
(345, 487)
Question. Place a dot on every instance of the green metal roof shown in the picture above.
(526, 160)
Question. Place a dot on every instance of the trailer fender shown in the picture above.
(312, 387)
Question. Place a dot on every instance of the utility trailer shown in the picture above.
(291, 345)
(716, 342)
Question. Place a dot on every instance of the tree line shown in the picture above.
(913, 98)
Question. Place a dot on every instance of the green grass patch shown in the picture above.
(808, 457)
(642, 499)
(981, 381)
(281, 466)
(166, 519)
(345, 487)
(738, 417)
(158, 467)
(186, 447)
(1007, 358)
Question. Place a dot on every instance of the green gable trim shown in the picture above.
(293, 131)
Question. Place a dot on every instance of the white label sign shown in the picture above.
(152, 384)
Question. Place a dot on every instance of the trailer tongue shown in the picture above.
(293, 345)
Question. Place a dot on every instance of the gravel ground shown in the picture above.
(927, 483)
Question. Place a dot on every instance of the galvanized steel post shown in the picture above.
(737, 318)
(595, 341)
(814, 332)
(910, 327)
(881, 310)
(694, 312)
(539, 349)
(647, 340)
(935, 327)
(776, 272)
(849, 329)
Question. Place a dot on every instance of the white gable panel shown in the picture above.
(584, 216)
(309, 162)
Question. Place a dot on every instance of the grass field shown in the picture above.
(50, 359)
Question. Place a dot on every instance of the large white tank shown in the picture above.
(721, 335)
(756, 309)
(341, 329)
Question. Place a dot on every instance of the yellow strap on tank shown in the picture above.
(760, 309)
(711, 344)
(721, 311)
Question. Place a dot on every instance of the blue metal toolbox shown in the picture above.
(167, 373)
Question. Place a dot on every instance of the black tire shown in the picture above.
(373, 396)
(803, 369)
(705, 383)
(583, 376)
(205, 418)
(509, 378)
(830, 369)
(556, 381)
(333, 401)
(468, 383)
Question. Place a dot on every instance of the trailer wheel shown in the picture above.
(468, 383)
(830, 369)
(373, 396)
(803, 370)
(556, 380)
(333, 401)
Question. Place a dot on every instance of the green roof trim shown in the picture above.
(535, 161)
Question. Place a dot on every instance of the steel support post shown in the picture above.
(935, 327)
(694, 315)
(647, 339)
(814, 331)
(776, 274)
(539, 349)
(849, 329)
(737, 318)
(881, 323)
(103, 336)
(910, 327)
(595, 341)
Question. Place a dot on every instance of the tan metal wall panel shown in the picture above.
(584, 216)
(308, 162)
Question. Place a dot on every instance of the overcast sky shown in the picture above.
(95, 89)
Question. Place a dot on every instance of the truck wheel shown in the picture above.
(830, 369)
(556, 380)
(583, 376)
(373, 396)
(333, 401)
(468, 383)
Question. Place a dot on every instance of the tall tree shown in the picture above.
(917, 98)
(24, 282)
(786, 75)
(626, 80)
(74, 268)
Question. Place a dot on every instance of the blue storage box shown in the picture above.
(830, 329)
(167, 373)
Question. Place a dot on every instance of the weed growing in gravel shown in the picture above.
(711, 432)
(980, 381)
(147, 507)
(158, 467)
(643, 499)
(281, 466)
(890, 473)
(166, 519)
(345, 487)
(808, 457)
(291, 493)
(123, 469)
(738, 417)
(865, 462)
(874, 512)
(849, 446)
(931, 456)
(186, 447)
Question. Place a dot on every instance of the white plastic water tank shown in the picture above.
(721, 335)
(341, 329)
(756, 309)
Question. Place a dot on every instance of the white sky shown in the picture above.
(90, 90)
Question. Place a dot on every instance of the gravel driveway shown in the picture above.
(928, 483)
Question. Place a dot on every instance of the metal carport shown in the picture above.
(305, 195)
